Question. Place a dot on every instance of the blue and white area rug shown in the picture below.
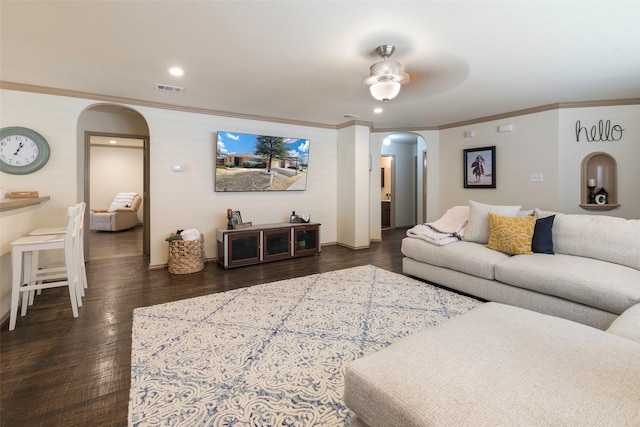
(273, 354)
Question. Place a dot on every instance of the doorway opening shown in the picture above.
(387, 172)
(116, 167)
(116, 160)
(407, 183)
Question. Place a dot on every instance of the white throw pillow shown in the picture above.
(539, 213)
(116, 206)
(478, 229)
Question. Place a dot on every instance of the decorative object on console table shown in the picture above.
(479, 167)
(236, 218)
(242, 225)
(299, 218)
(24, 195)
(229, 222)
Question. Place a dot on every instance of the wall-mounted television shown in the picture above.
(250, 162)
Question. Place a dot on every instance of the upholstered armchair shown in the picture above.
(121, 215)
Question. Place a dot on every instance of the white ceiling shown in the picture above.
(306, 60)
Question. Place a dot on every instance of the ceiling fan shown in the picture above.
(386, 76)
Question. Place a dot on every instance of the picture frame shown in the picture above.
(236, 218)
(479, 167)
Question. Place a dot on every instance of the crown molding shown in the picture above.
(542, 108)
(160, 105)
(408, 129)
(130, 101)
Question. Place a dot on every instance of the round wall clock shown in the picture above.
(22, 150)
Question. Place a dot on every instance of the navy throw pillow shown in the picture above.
(542, 242)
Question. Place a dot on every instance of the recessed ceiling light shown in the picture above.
(113, 141)
(377, 110)
(176, 71)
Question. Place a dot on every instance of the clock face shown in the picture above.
(22, 150)
(18, 150)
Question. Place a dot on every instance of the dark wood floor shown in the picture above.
(59, 371)
(115, 244)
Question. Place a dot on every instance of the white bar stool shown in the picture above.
(26, 279)
(78, 244)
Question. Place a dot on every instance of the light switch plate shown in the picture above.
(535, 177)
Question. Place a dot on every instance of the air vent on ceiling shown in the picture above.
(169, 88)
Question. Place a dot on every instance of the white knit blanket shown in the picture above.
(124, 198)
(448, 229)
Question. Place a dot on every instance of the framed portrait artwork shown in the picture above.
(479, 167)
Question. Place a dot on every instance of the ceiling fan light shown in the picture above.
(385, 90)
(386, 76)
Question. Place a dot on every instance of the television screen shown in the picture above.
(248, 162)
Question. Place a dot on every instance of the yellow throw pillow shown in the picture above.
(511, 235)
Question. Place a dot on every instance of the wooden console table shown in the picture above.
(265, 243)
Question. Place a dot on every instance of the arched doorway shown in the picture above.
(110, 122)
(405, 188)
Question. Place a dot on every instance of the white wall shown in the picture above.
(543, 143)
(626, 152)
(116, 170)
(187, 200)
(531, 146)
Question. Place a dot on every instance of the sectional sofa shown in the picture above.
(560, 344)
(499, 365)
(588, 271)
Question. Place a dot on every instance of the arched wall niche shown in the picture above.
(599, 171)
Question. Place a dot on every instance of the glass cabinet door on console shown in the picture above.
(244, 248)
(263, 243)
(276, 244)
(306, 240)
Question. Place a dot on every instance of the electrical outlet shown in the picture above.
(535, 177)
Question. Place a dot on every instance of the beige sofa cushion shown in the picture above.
(628, 324)
(499, 365)
(601, 237)
(466, 257)
(477, 229)
(609, 287)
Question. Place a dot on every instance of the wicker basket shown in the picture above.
(186, 256)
